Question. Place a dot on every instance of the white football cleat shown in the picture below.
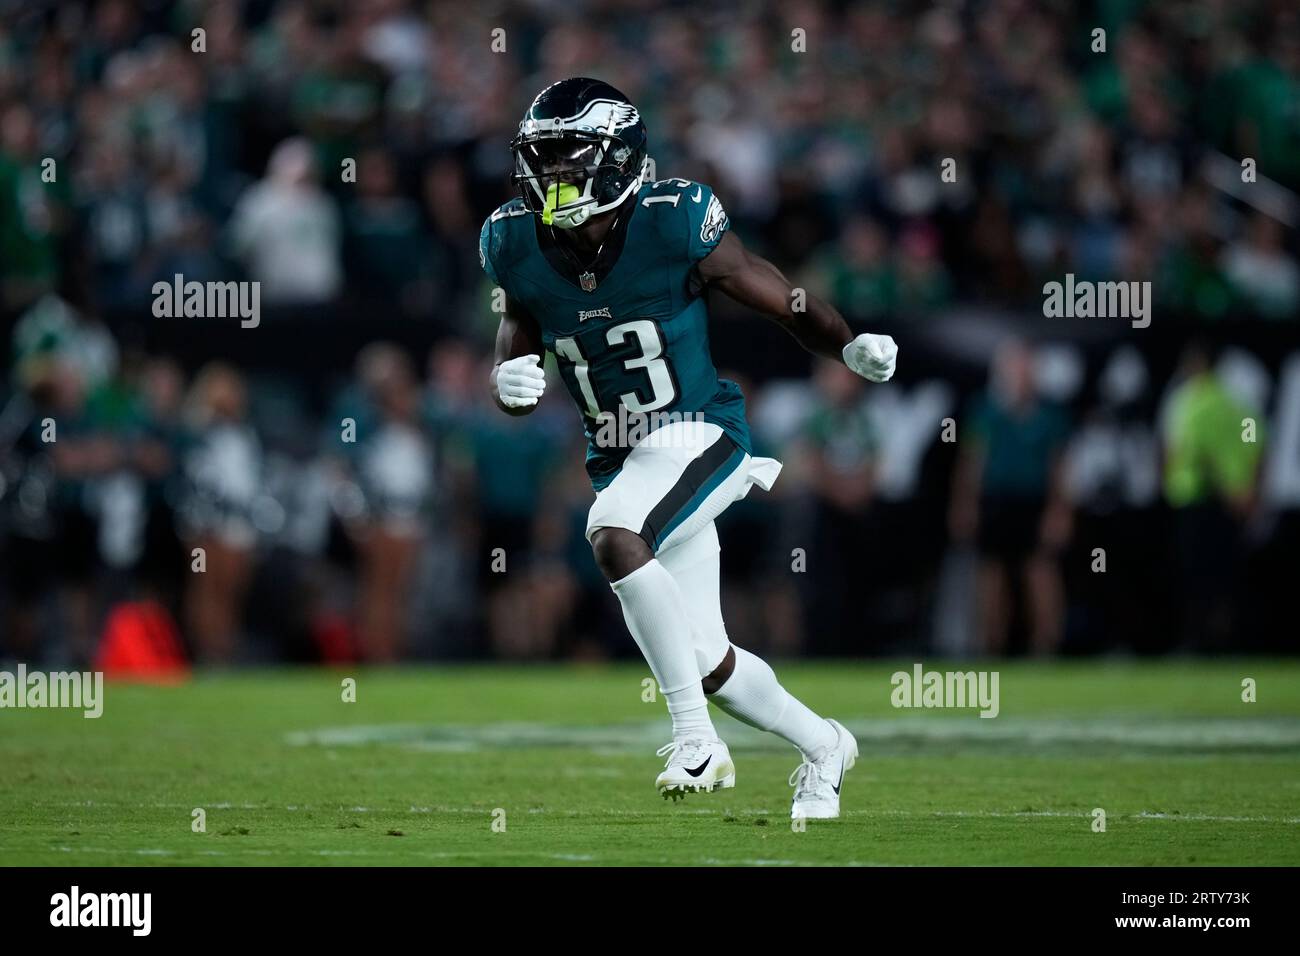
(817, 783)
(695, 763)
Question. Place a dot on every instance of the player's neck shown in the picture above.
(589, 236)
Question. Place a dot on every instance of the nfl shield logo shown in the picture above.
(588, 281)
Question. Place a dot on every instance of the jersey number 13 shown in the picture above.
(649, 359)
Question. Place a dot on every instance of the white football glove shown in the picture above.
(520, 381)
(872, 356)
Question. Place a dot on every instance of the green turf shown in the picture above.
(412, 772)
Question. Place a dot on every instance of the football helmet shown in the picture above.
(580, 151)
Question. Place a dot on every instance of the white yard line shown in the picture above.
(1182, 737)
(780, 814)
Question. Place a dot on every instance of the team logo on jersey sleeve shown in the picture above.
(715, 221)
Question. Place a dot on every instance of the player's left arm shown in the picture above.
(754, 282)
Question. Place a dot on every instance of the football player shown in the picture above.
(608, 272)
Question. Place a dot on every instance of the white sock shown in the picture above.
(753, 695)
(652, 607)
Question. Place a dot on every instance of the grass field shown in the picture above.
(412, 772)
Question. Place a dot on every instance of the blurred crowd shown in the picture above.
(222, 152)
(343, 154)
(1045, 510)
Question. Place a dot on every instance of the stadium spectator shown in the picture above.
(386, 250)
(286, 231)
(1261, 272)
(30, 213)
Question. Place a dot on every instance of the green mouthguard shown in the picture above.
(560, 194)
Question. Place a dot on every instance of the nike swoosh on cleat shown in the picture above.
(836, 788)
(700, 769)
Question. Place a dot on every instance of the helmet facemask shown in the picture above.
(566, 179)
(559, 175)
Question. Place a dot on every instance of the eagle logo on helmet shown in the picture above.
(604, 116)
(600, 116)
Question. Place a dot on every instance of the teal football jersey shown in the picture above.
(636, 346)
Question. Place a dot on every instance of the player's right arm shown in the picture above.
(517, 380)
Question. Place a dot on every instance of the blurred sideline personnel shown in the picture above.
(1009, 495)
(608, 273)
(221, 469)
(1210, 482)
